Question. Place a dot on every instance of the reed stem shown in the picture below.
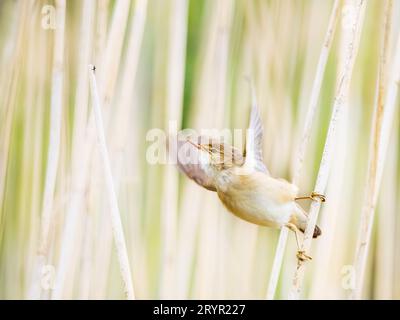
(327, 156)
(381, 130)
(315, 93)
(116, 224)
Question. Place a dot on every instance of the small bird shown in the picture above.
(243, 182)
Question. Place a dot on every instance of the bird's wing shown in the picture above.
(188, 161)
(254, 138)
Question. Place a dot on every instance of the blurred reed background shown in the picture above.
(183, 60)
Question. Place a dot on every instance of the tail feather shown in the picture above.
(317, 231)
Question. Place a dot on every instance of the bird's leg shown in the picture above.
(313, 196)
(293, 228)
(301, 254)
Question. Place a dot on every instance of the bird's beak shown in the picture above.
(194, 144)
(198, 146)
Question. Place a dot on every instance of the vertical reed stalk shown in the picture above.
(74, 221)
(174, 99)
(9, 81)
(124, 133)
(315, 93)
(385, 271)
(54, 142)
(381, 129)
(114, 210)
(327, 156)
(112, 54)
(108, 74)
(74, 217)
(78, 176)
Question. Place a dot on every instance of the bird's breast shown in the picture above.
(256, 198)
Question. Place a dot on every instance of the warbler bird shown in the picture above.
(243, 182)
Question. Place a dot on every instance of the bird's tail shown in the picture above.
(301, 221)
(317, 231)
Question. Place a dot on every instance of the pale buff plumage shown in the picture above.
(257, 197)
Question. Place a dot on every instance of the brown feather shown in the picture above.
(188, 162)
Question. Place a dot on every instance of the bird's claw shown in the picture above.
(302, 256)
(315, 196)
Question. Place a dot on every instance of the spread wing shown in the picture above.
(188, 161)
(254, 138)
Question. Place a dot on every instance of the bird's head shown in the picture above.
(217, 155)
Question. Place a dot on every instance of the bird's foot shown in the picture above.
(302, 256)
(315, 196)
